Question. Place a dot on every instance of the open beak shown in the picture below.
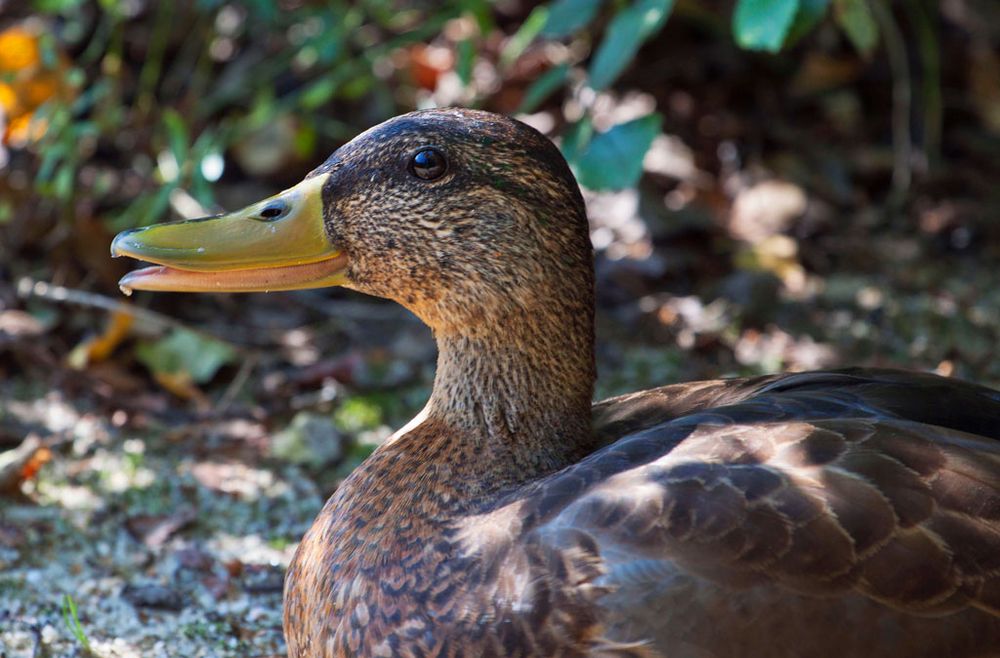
(276, 244)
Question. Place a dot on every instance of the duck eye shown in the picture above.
(428, 164)
(272, 211)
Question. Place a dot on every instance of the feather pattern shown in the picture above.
(844, 513)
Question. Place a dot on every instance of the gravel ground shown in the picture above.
(162, 554)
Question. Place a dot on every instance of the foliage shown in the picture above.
(764, 24)
(244, 82)
(774, 24)
(610, 159)
(212, 77)
(186, 355)
(626, 32)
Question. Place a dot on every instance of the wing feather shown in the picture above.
(821, 483)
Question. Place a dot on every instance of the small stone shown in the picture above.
(153, 596)
(49, 634)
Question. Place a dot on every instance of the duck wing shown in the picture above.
(880, 489)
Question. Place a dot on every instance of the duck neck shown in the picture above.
(518, 390)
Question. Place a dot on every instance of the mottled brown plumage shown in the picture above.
(849, 513)
(846, 513)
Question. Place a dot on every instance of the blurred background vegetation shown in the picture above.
(772, 184)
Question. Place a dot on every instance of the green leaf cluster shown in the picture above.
(328, 54)
(613, 159)
(771, 25)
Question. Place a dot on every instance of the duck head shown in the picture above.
(462, 216)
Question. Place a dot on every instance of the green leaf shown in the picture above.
(543, 87)
(184, 351)
(304, 143)
(146, 209)
(529, 29)
(51, 157)
(568, 16)
(177, 135)
(763, 24)
(612, 160)
(357, 87)
(318, 93)
(56, 6)
(72, 621)
(810, 13)
(465, 61)
(63, 183)
(357, 414)
(481, 11)
(855, 18)
(576, 137)
(628, 30)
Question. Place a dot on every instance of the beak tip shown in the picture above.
(117, 244)
(125, 284)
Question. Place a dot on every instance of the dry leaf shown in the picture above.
(22, 463)
(99, 348)
(27, 83)
(155, 529)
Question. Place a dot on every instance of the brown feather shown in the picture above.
(847, 513)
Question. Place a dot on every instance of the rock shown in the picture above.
(153, 596)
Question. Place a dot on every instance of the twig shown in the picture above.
(352, 310)
(28, 288)
(237, 384)
(902, 97)
(930, 61)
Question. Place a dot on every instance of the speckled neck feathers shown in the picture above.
(522, 392)
(495, 257)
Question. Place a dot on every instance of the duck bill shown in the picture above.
(276, 244)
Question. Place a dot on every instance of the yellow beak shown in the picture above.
(276, 244)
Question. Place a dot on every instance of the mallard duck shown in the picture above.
(836, 513)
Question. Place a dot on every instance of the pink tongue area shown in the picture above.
(291, 277)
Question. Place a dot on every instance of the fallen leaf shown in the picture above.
(99, 348)
(18, 324)
(180, 384)
(189, 356)
(428, 63)
(195, 559)
(820, 72)
(155, 529)
(22, 463)
(766, 209)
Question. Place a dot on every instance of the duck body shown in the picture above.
(852, 513)
(812, 515)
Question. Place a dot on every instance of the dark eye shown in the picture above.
(428, 164)
(272, 211)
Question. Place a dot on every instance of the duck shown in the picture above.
(850, 512)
